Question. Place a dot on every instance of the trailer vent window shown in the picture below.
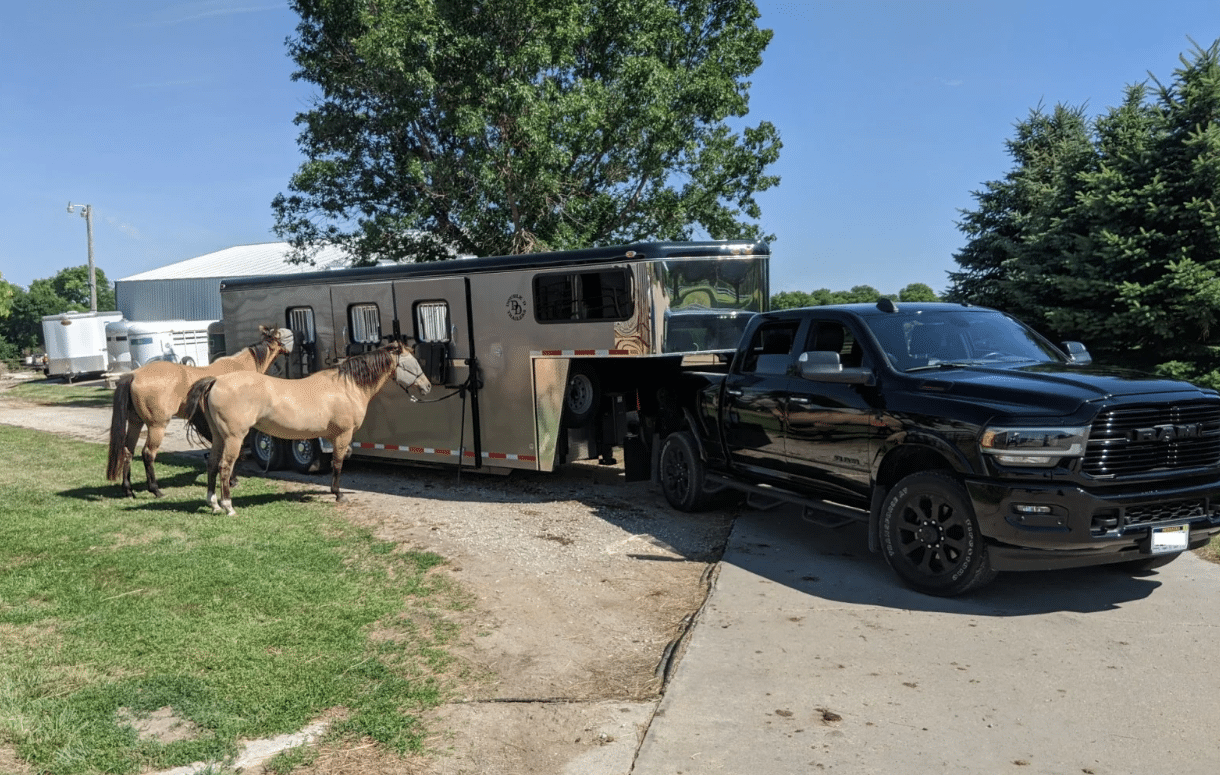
(366, 324)
(300, 322)
(604, 295)
(432, 321)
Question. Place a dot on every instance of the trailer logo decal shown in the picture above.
(516, 306)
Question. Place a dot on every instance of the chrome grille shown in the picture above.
(1137, 440)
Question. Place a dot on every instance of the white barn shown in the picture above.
(190, 289)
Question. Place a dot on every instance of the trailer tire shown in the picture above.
(583, 395)
(267, 451)
(681, 473)
(306, 457)
(188, 361)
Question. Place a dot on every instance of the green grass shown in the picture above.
(56, 393)
(246, 627)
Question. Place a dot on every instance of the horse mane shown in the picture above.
(260, 351)
(367, 368)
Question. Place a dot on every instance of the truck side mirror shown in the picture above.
(825, 366)
(1077, 353)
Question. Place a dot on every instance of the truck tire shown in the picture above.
(305, 456)
(931, 538)
(582, 396)
(267, 451)
(681, 472)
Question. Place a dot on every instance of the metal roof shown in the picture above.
(267, 258)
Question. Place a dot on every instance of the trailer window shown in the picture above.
(432, 321)
(300, 322)
(603, 295)
(365, 324)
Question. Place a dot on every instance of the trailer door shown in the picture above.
(436, 314)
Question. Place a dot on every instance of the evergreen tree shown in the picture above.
(1108, 233)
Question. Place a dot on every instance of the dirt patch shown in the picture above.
(161, 725)
(580, 587)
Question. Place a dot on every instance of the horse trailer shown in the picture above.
(536, 359)
(117, 349)
(176, 341)
(76, 343)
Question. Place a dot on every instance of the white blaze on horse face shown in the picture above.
(409, 373)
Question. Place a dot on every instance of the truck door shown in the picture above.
(830, 429)
(754, 398)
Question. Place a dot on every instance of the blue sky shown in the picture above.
(174, 121)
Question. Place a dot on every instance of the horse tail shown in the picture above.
(197, 409)
(118, 427)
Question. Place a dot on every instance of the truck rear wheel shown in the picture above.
(681, 473)
(930, 537)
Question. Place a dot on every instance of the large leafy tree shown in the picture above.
(1107, 231)
(508, 126)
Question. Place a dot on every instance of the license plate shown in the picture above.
(1170, 539)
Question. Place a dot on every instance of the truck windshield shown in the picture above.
(923, 339)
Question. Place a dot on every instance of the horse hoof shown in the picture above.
(157, 493)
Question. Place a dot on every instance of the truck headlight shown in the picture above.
(1042, 447)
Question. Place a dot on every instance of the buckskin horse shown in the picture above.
(328, 404)
(156, 392)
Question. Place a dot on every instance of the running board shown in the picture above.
(766, 496)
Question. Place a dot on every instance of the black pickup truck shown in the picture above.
(966, 441)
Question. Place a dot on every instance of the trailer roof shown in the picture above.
(639, 251)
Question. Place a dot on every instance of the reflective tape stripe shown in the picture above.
(443, 452)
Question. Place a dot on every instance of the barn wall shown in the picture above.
(148, 300)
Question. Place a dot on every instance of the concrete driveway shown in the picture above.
(810, 657)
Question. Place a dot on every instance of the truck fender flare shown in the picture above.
(695, 432)
(874, 518)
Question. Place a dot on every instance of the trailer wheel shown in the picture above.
(306, 457)
(583, 395)
(681, 473)
(267, 451)
(188, 361)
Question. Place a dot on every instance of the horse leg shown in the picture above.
(134, 426)
(343, 447)
(231, 447)
(213, 469)
(156, 435)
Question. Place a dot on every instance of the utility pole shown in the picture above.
(87, 214)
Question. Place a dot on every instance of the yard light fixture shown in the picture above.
(86, 212)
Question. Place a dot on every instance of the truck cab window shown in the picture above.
(770, 350)
(831, 336)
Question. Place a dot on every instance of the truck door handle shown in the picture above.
(733, 391)
(800, 400)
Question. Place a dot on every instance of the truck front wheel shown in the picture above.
(930, 537)
(681, 473)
